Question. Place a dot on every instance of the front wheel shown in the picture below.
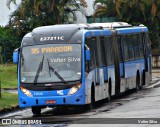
(92, 104)
(36, 110)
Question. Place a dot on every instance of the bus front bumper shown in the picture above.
(77, 99)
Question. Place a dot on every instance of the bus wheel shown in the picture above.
(92, 104)
(137, 82)
(142, 81)
(36, 110)
(109, 92)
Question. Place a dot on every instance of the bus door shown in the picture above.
(99, 74)
(96, 63)
(121, 58)
(147, 52)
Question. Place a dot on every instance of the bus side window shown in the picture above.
(89, 43)
(98, 52)
(120, 49)
(109, 49)
(125, 45)
(103, 51)
(136, 46)
(130, 46)
(139, 39)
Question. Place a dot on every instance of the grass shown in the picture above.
(8, 76)
(8, 100)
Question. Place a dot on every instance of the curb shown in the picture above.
(7, 110)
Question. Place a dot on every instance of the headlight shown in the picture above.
(26, 92)
(74, 89)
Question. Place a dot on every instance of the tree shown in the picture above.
(34, 13)
(8, 42)
(136, 12)
(1, 58)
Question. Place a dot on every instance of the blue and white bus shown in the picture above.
(80, 64)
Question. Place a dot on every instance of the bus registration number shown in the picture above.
(50, 102)
(53, 38)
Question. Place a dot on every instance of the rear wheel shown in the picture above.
(143, 81)
(109, 92)
(137, 82)
(36, 110)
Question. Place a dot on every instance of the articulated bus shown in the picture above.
(80, 64)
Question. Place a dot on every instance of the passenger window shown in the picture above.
(103, 51)
(136, 47)
(126, 50)
(120, 49)
(98, 52)
(90, 44)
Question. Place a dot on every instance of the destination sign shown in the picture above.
(52, 49)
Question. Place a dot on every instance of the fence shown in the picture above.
(156, 61)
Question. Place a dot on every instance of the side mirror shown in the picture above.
(88, 55)
(15, 56)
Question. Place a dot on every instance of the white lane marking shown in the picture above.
(154, 85)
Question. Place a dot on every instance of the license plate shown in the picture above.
(50, 102)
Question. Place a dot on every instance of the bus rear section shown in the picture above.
(134, 57)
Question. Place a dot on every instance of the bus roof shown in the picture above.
(111, 25)
(72, 33)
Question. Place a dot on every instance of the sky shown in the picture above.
(5, 12)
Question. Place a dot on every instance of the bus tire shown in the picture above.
(36, 110)
(137, 81)
(143, 80)
(92, 104)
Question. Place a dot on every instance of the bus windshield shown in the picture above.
(51, 63)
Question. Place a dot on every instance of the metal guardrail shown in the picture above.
(156, 61)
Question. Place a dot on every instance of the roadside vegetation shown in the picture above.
(8, 76)
(8, 101)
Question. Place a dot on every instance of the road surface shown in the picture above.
(133, 109)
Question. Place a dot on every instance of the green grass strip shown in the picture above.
(8, 100)
(8, 76)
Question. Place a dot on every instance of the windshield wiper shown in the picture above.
(55, 72)
(39, 70)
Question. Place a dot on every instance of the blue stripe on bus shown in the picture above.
(131, 30)
(97, 33)
(105, 73)
(131, 67)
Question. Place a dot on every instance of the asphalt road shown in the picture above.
(133, 109)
